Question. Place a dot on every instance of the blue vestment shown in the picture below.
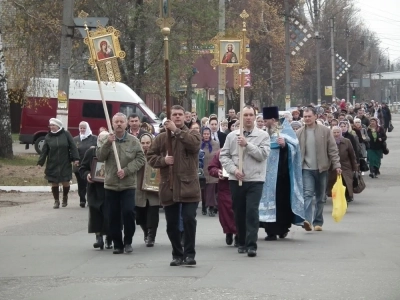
(267, 208)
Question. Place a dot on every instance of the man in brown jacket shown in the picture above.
(318, 152)
(185, 192)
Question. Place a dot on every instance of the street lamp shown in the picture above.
(333, 51)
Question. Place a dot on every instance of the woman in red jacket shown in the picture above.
(225, 211)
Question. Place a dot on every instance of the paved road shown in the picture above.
(47, 254)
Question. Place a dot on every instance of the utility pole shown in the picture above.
(333, 60)
(221, 78)
(67, 32)
(348, 71)
(318, 51)
(287, 58)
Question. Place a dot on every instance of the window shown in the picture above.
(95, 110)
(128, 109)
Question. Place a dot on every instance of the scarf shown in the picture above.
(204, 143)
(87, 133)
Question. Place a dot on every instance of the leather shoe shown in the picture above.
(271, 238)
(282, 236)
(118, 251)
(236, 241)
(251, 253)
(242, 250)
(229, 239)
(176, 262)
(128, 248)
(307, 226)
(189, 261)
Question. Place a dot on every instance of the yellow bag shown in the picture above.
(339, 200)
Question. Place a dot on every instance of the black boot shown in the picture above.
(82, 202)
(151, 237)
(65, 196)
(108, 242)
(211, 212)
(56, 194)
(145, 232)
(375, 172)
(99, 242)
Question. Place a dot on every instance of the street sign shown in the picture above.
(328, 90)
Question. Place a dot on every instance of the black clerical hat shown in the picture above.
(271, 112)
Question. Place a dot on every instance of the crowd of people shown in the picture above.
(264, 173)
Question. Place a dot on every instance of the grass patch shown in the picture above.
(24, 181)
(22, 170)
(20, 160)
(15, 137)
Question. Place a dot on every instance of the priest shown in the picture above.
(282, 202)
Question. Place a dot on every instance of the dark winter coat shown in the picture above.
(59, 150)
(95, 196)
(186, 145)
(83, 146)
(387, 116)
(377, 144)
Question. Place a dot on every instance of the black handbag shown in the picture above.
(202, 178)
(358, 183)
(391, 127)
(363, 165)
(385, 149)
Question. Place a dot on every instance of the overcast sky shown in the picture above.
(383, 17)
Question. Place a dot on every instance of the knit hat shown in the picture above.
(102, 138)
(271, 112)
(57, 122)
(295, 112)
(296, 125)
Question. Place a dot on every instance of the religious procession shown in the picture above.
(289, 164)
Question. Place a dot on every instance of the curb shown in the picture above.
(32, 189)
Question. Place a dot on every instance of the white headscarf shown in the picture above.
(87, 132)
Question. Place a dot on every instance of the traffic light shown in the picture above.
(354, 94)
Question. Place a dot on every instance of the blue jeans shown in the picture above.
(314, 183)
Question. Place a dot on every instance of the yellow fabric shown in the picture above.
(339, 200)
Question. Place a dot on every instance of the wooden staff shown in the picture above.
(165, 31)
(244, 16)
(241, 121)
(165, 22)
(110, 129)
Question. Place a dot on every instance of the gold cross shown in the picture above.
(244, 15)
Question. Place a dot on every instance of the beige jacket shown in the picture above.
(255, 155)
(327, 151)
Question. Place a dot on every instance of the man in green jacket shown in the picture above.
(120, 185)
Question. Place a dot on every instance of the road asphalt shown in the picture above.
(48, 254)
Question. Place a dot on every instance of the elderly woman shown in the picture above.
(377, 138)
(260, 122)
(210, 148)
(345, 127)
(347, 161)
(362, 136)
(59, 150)
(98, 212)
(83, 142)
(147, 202)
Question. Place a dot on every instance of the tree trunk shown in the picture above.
(5, 120)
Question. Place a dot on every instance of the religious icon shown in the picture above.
(98, 171)
(104, 47)
(151, 179)
(229, 56)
